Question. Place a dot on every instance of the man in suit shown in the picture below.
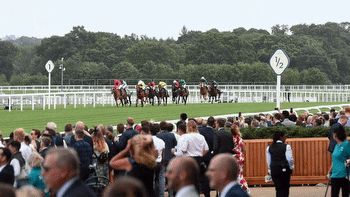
(127, 134)
(223, 142)
(7, 174)
(209, 136)
(223, 172)
(61, 173)
(170, 142)
(182, 173)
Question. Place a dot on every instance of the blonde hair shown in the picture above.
(98, 139)
(35, 160)
(141, 149)
(192, 127)
(19, 133)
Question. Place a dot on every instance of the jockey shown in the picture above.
(143, 85)
(152, 84)
(162, 84)
(124, 85)
(203, 81)
(176, 83)
(182, 83)
(117, 84)
(215, 84)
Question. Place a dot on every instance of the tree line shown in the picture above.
(319, 55)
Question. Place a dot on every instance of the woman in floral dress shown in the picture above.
(238, 149)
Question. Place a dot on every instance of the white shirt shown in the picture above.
(193, 144)
(227, 188)
(159, 145)
(16, 166)
(183, 191)
(289, 156)
(25, 150)
(178, 152)
(1, 145)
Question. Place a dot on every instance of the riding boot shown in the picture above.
(121, 92)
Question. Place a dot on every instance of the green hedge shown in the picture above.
(291, 132)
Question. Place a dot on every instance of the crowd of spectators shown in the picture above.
(147, 152)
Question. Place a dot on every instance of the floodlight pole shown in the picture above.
(62, 69)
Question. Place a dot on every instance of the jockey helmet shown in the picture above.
(202, 78)
(174, 81)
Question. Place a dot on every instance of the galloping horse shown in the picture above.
(123, 99)
(150, 94)
(162, 96)
(183, 92)
(203, 91)
(175, 92)
(140, 95)
(213, 92)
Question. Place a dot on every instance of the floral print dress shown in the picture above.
(238, 141)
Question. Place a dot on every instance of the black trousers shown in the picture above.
(338, 183)
(282, 183)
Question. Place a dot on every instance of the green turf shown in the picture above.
(108, 114)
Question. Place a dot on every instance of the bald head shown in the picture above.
(79, 126)
(222, 170)
(199, 121)
(52, 126)
(182, 171)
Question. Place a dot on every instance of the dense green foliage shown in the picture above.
(291, 132)
(319, 54)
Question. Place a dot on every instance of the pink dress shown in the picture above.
(238, 141)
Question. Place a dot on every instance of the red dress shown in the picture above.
(238, 141)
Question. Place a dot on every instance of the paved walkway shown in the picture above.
(295, 191)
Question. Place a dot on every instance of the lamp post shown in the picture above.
(62, 69)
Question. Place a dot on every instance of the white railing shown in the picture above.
(92, 95)
(90, 88)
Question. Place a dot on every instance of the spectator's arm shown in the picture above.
(268, 159)
(289, 157)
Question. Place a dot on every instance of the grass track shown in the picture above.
(107, 114)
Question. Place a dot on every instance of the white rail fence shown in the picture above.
(36, 96)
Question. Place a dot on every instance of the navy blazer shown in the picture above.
(79, 189)
(223, 142)
(236, 191)
(170, 142)
(86, 138)
(7, 175)
(123, 140)
(209, 136)
(332, 142)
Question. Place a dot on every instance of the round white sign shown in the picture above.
(49, 66)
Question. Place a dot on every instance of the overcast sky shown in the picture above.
(162, 18)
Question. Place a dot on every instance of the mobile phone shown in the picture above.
(239, 114)
(291, 110)
(236, 118)
(276, 108)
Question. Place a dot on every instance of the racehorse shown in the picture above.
(162, 96)
(150, 94)
(140, 95)
(123, 99)
(203, 91)
(175, 92)
(213, 92)
(183, 92)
